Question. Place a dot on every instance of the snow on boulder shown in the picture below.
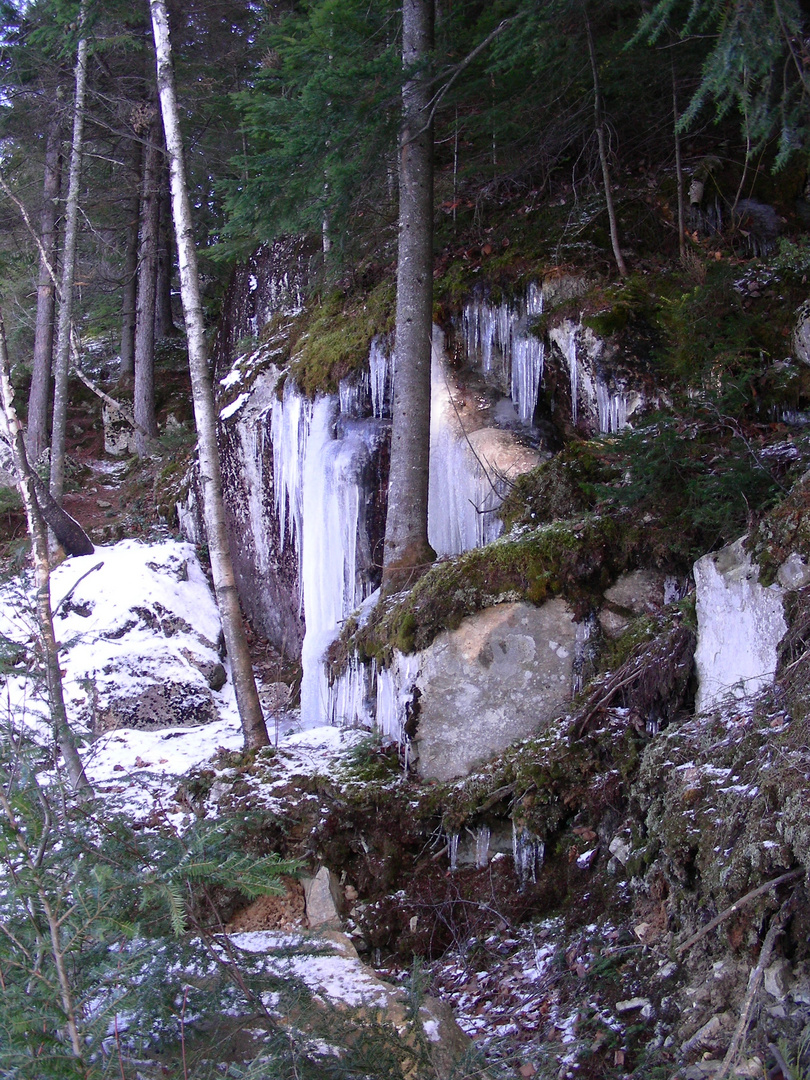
(740, 625)
(138, 629)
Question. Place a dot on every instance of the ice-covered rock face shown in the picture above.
(740, 625)
(138, 638)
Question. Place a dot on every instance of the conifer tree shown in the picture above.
(407, 550)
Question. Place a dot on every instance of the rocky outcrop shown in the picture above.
(266, 567)
(337, 1011)
(139, 630)
(639, 592)
(740, 625)
(500, 676)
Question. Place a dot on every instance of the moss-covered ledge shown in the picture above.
(576, 559)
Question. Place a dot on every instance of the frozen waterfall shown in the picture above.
(321, 461)
(464, 487)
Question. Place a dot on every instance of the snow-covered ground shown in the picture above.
(133, 619)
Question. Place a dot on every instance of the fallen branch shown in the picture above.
(787, 1072)
(752, 895)
(754, 982)
(76, 584)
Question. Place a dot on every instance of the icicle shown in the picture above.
(528, 355)
(395, 694)
(289, 430)
(349, 697)
(498, 339)
(331, 586)
(452, 850)
(586, 636)
(482, 838)
(529, 854)
(612, 409)
(381, 373)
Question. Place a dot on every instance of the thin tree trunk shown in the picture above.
(164, 318)
(144, 393)
(407, 550)
(678, 169)
(599, 124)
(39, 544)
(40, 393)
(129, 291)
(68, 269)
(247, 698)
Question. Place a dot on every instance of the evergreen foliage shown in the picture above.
(95, 922)
(756, 65)
(329, 71)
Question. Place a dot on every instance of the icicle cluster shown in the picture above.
(499, 335)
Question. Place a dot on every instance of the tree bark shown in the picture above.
(39, 544)
(247, 698)
(129, 290)
(599, 124)
(144, 393)
(407, 551)
(678, 168)
(164, 319)
(40, 393)
(68, 270)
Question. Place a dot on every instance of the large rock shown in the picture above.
(502, 674)
(139, 629)
(639, 592)
(740, 625)
(340, 1016)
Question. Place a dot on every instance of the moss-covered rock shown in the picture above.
(576, 559)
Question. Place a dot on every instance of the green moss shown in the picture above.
(557, 489)
(333, 338)
(577, 559)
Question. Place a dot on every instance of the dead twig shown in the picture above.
(76, 584)
(775, 929)
(752, 895)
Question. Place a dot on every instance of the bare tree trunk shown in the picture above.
(144, 394)
(39, 544)
(599, 124)
(129, 291)
(164, 319)
(678, 169)
(407, 550)
(40, 393)
(68, 269)
(247, 698)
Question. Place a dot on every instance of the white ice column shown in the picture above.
(464, 488)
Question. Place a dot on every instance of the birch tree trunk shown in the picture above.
(62, 358)
(247, 698)
(40, 392)
(407, 550)
(39, 544)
